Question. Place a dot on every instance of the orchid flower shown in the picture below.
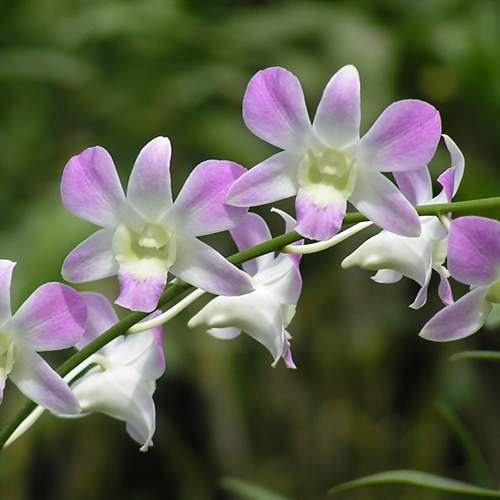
(394, 256)
(146, 235)
(265, 313)
(473, 259)
(326, 164)
(52, 318)
(123, 382)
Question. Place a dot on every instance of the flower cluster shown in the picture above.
(146, 236)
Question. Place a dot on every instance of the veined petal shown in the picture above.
(52, 318)
(258, 314)
(39, 382)
(272, 180)
(404, 137)
(378, 199)
(415, 185)
(149, 191)
(91, 188)
(120, 393)
(6, 270)
(338, 116)
(318, 222)
(252, 231)
(474, 250)
(205, 268)
(460, 319)
(199, 209)
(100, 317)
(92, 259)
(274, 109)
(411, 257)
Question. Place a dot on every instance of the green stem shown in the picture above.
(174, 291)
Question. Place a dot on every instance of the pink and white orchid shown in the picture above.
(265, 313)
(327, 164)
(146, 235)
(394, 256)
(473, 259)
(123, 382)
(52, 318)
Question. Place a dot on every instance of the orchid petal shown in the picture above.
(140, 352)
(258, 314)
(140, 294)
(120, 393)
(252, 231)
(52, 318)
(415, 185)
(338, 116)
(274, 109)
(411, 257)
(91, 188)
(447, 181)
(287, 355)
(143, 270)
(290, 224)
(6, 363)
(450, 180)
(272, 180)
(205, 268)
(224, 333)
(318, 222)
(100, 317)
(92, 259)
(444, 289)
(149, 191)
(474, 250)
(199, 208)
(39, 382)
(383, 275)
(288, 285)
(6, 270)
(404, 137)
(421, 297)
(381, 202)
(460, 319)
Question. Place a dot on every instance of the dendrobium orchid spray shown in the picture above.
(147, 237)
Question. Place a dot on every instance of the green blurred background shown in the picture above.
(75, 74)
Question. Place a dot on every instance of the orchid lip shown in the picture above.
(329, 176)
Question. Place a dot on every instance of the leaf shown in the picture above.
(419, 479)
(248, 490)
(493, 355)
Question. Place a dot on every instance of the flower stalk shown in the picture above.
(175, 290)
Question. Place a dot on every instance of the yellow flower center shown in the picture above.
(328, 176)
